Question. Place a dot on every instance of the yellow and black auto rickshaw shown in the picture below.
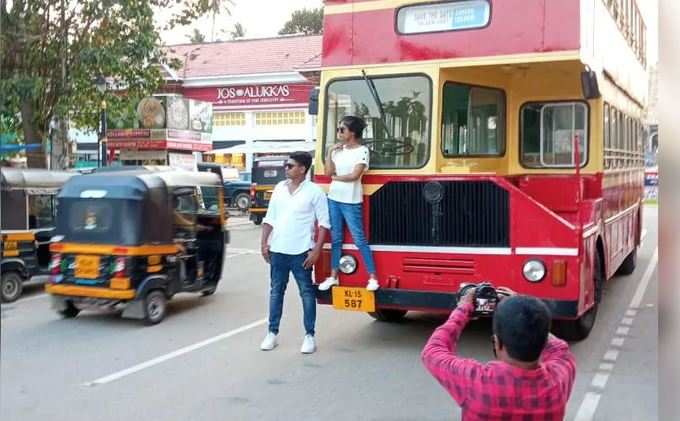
(266, 174)
(28, 208)
(134, 238)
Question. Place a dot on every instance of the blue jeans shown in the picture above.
(281, 266)
(349, 213)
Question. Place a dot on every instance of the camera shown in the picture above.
(486, 297)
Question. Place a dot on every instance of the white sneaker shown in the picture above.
(372, 285)
(308, 345)
(270, 341)
(328, 283)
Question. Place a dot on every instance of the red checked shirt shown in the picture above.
(497, 390)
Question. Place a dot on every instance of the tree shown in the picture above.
(51, 51)
(215, 7)
(308, 22)
(238, 31)
(196, 37)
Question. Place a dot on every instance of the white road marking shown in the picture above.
(586, 412)
(611, 355)
(600, 380)
(643, 234)
(174, 354)
(606, 366)
(618, 341)
(622, 330)
(631, 313)
(642, 286)
(627, 321)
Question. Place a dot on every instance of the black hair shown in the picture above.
(354, 124)
(302, 158)
(522, 324)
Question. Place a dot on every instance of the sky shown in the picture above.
(259, 18)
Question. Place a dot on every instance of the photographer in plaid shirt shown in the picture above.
(532, 377)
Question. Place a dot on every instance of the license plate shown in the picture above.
(267, 195)
(353, 299)
(87, 267)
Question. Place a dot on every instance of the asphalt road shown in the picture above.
(203, 362)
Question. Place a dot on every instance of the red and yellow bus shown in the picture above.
(477, 112)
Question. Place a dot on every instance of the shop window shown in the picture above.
(279, 118)
(229, 119)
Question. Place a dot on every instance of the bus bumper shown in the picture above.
(437, 302)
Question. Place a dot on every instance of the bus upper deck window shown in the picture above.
(548, 131)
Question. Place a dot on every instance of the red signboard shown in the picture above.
(127, 133)
(248, 95)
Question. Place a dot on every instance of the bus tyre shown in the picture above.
(70, 311)
(11, 286)
(242, 201)
(628, 265)
(257, 219)
(579, 329)
(390, 316)
(155, 305)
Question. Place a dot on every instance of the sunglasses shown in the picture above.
(340, 129)
(289, 166)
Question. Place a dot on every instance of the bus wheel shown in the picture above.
(155, 305)
(628, 265)
(390, 316)
(579, 329)
(70, 311)
(11, 286)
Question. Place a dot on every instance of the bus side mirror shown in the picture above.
(314, 102)
(589, 85)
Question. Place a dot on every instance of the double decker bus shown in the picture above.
(506, 147)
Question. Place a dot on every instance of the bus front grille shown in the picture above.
(467, 214)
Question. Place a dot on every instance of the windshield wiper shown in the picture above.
(374, 93)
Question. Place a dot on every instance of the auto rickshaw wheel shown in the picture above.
(208, 292)
(11, 286)
(70, 311)
(155, 305)
(257, 219)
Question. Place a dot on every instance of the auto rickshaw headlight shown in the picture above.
(533, 270)
(348, 264)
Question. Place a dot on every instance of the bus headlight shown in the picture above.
(534, 270)
(348, 265)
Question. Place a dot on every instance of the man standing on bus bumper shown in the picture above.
(288, 245)
(534, 374)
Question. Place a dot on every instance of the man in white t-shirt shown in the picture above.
(288, 244)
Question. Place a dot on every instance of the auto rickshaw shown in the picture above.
(135, 238)
(28, 210)
(266, 174)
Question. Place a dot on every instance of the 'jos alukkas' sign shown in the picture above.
(246, 95)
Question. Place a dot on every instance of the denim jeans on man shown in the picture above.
(351, 214)
(281, 266)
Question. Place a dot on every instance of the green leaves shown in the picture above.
(308, 22)
(51, 52)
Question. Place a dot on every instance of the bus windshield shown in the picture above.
(397, 112)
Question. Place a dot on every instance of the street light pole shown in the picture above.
(100, 83)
